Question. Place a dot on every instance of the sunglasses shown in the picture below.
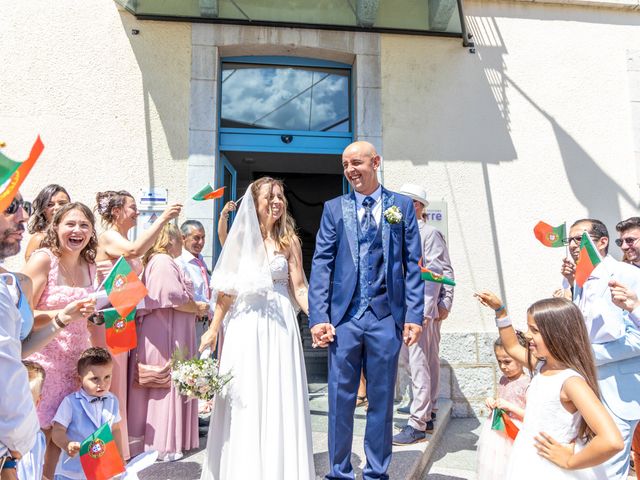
(629, 241)
(15, 205)
(578, 239)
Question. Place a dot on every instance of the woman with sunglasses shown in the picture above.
(50, 199)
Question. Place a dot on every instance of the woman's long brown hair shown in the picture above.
(284, 230)
(565, 336)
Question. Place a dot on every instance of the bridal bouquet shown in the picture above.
(197, 378)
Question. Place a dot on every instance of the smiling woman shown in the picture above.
(63, 270)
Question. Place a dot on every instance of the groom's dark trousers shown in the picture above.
(372, 344)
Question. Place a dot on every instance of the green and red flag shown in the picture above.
(588, 259)
(120, 330)
(431, 276)
(550, 236)
(208, 193)
(99, 455)
(16, 172)
(500, 421)
(124, 288)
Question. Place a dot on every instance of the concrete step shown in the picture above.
(407, 462)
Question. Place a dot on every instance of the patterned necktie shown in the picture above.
(368, 223)
(205, 276)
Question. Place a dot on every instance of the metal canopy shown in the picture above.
(415, 17)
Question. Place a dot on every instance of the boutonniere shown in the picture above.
(393, 214)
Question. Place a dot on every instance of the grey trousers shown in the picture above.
(422, 362)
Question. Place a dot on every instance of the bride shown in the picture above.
(260, 425)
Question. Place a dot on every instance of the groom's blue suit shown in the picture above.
(367, 287)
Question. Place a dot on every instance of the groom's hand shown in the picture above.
(411, 333)
(322, 335)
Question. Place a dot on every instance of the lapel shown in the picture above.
(350, 219)
(86, 406)
(387, 201)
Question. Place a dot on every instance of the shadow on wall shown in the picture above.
(165, 66)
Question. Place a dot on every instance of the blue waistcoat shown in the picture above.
(371, 290)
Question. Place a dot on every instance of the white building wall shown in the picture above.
(536, 125)
(112, 108)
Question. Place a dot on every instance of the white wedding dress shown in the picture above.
(260, 425)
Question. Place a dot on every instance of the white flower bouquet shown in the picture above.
(197, 378)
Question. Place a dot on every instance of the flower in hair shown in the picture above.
(103, 205)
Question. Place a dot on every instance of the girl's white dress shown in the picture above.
(260, 427)
(545, 413)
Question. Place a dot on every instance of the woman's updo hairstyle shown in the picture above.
(109, 200)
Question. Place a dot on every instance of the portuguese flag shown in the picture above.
(431, 276)
(124, 288)
(99, 455)
(500, 421)
(550, 236)
(208, 193)
(12, 174)
(588, 259)
(121, 331)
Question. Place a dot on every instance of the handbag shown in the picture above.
(153, 376)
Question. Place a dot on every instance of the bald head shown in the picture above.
(360, 163)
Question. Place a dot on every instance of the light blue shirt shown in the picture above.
(81, 418)
(376, 210)
(31, 465)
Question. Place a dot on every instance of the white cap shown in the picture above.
(415, 192)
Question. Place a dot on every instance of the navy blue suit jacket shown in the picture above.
(334, 272)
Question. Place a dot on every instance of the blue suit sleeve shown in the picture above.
(321, 270)
(414, 289)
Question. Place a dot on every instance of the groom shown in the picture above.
(365, 299)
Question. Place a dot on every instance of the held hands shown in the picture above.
(568, 270)
(202, 309)
(411, 333)
(623, 297)
(322, 335)
(208, 340)
(78, 309)
(73, 448)
(171, 212)
(553, 451)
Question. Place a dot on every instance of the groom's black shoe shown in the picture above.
(408, 436)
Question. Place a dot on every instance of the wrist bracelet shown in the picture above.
(503, 322)
(500, 308)
(59, 322)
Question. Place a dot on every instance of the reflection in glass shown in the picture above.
(285, 98)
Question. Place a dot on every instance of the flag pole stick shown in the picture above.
(566, 245)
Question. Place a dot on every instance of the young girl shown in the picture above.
(494, 447)
(567, 433)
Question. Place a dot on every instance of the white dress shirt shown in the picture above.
(376, 210)
(18, 420)
(198, 274)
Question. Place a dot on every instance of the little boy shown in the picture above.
(30, 466)
(83, 412)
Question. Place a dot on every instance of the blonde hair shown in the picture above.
(284, 229)
(169, 232)
(36, 376)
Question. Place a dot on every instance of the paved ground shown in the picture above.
(454, 457)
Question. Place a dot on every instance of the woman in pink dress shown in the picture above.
(62, 271)
(160, 418)
(119, 213)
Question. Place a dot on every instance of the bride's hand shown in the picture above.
(208, 340)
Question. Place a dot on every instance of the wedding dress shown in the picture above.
(260, 425)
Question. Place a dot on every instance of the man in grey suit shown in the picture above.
(423, 359)
(613, 330)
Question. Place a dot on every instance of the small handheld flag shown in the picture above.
(208, 193)
(10, 185)
(550, 236)
(431, 276)
(124, 288)
(99, 455)
(500, 421)
(120, 330)
(588, 259)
